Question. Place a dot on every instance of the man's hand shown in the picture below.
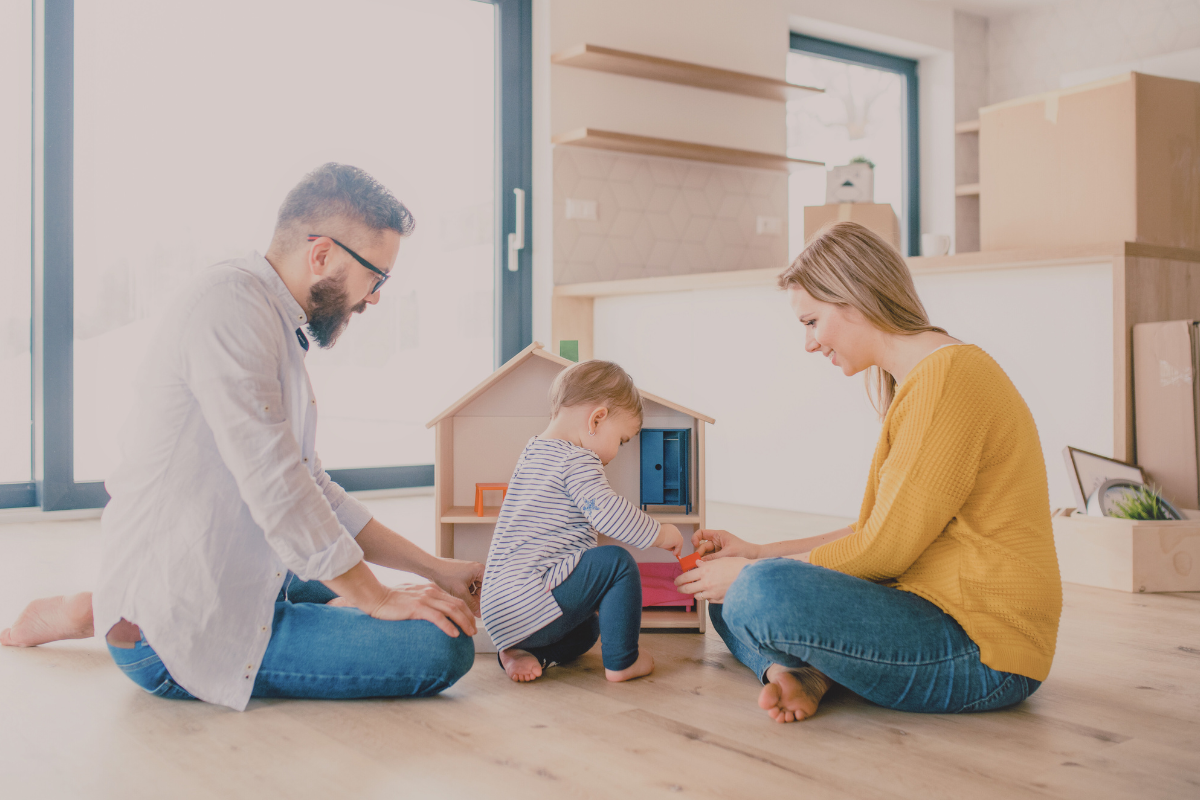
(463, 579)
(726, 545)
(669, 538)
(426, 602)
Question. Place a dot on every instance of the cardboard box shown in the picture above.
(1115, 160)
(879, 217)
(1166, 364)
(1141, 556)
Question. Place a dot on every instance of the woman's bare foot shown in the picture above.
(50, 619)
(521, 666)
(643, 666)
(792, 694)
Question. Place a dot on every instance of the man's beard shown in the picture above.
(330, 313)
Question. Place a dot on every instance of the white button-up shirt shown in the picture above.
(219, 491)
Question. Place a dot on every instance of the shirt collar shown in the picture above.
(262, 268)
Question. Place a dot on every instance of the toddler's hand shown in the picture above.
(669, 538)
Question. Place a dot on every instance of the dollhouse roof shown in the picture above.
(536, 350)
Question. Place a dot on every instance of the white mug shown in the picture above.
(934, 244)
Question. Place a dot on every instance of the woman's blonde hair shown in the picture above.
(846, 264)
(595, 382)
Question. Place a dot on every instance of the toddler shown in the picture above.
(546, 578)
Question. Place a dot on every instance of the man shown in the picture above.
(232, 565)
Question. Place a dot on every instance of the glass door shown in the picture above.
(16, 366)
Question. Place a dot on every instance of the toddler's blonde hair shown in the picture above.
(595, 382)
(846, 264)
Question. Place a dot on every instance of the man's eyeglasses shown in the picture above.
(383, 276)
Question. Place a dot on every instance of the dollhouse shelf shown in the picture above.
(967, 127)
(666, 618)
(622, 62)
(671, 148)
(465, 515)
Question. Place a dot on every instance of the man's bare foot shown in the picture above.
(521, 666)
(792, 694)
(643, 666)
(51, 619)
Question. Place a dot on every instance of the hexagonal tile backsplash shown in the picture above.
(663, 216)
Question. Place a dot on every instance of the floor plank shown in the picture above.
(1119, 716)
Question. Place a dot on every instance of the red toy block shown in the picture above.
(690, 562)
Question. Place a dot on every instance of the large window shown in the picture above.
(16, 89)
(188, 129)
(868, 109)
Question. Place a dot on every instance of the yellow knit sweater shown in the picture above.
(957, 510)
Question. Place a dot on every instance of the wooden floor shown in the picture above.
(1119, 716)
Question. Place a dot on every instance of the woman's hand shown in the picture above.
(710, 580)
(463, 579)
(726, 544)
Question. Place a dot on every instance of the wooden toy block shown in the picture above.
(690, 562)
(480, 488)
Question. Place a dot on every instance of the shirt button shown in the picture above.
(278, 574)
(306, 459)
(249, 666)
(264, 628)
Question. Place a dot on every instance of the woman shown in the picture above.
(945, 595)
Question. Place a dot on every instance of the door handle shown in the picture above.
(516, 240)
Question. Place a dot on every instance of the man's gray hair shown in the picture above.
(340, 190)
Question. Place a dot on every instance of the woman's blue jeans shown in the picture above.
(332, 653)
(891, 647)
(600, 599)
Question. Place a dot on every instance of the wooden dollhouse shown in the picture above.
(480, 437)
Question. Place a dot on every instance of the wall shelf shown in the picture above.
(967, 127)
(622, 62)
(967, 190)
(671, 148)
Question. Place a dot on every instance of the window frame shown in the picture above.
(907, 69)
(54, 487)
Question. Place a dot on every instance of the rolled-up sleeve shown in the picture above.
(353, 515)
(237, 384)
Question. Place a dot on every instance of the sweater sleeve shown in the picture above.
(608, 512)
(936, 445)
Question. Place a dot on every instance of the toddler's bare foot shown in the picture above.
(50, 619)
(792, 694)
(643, 666)
(520, 665)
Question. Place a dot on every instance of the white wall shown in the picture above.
(745, 35)
(1030, 51)
(792, 432)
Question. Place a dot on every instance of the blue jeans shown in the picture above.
(606, 581)
(891, 647)
(332, 653)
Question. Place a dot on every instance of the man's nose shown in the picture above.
(373, 298)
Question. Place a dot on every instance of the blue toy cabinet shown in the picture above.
(666, 478)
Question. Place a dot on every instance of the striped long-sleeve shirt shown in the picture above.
(558, 500)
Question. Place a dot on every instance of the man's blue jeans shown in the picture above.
(606, 582)
(332, 653)
(891, 647)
